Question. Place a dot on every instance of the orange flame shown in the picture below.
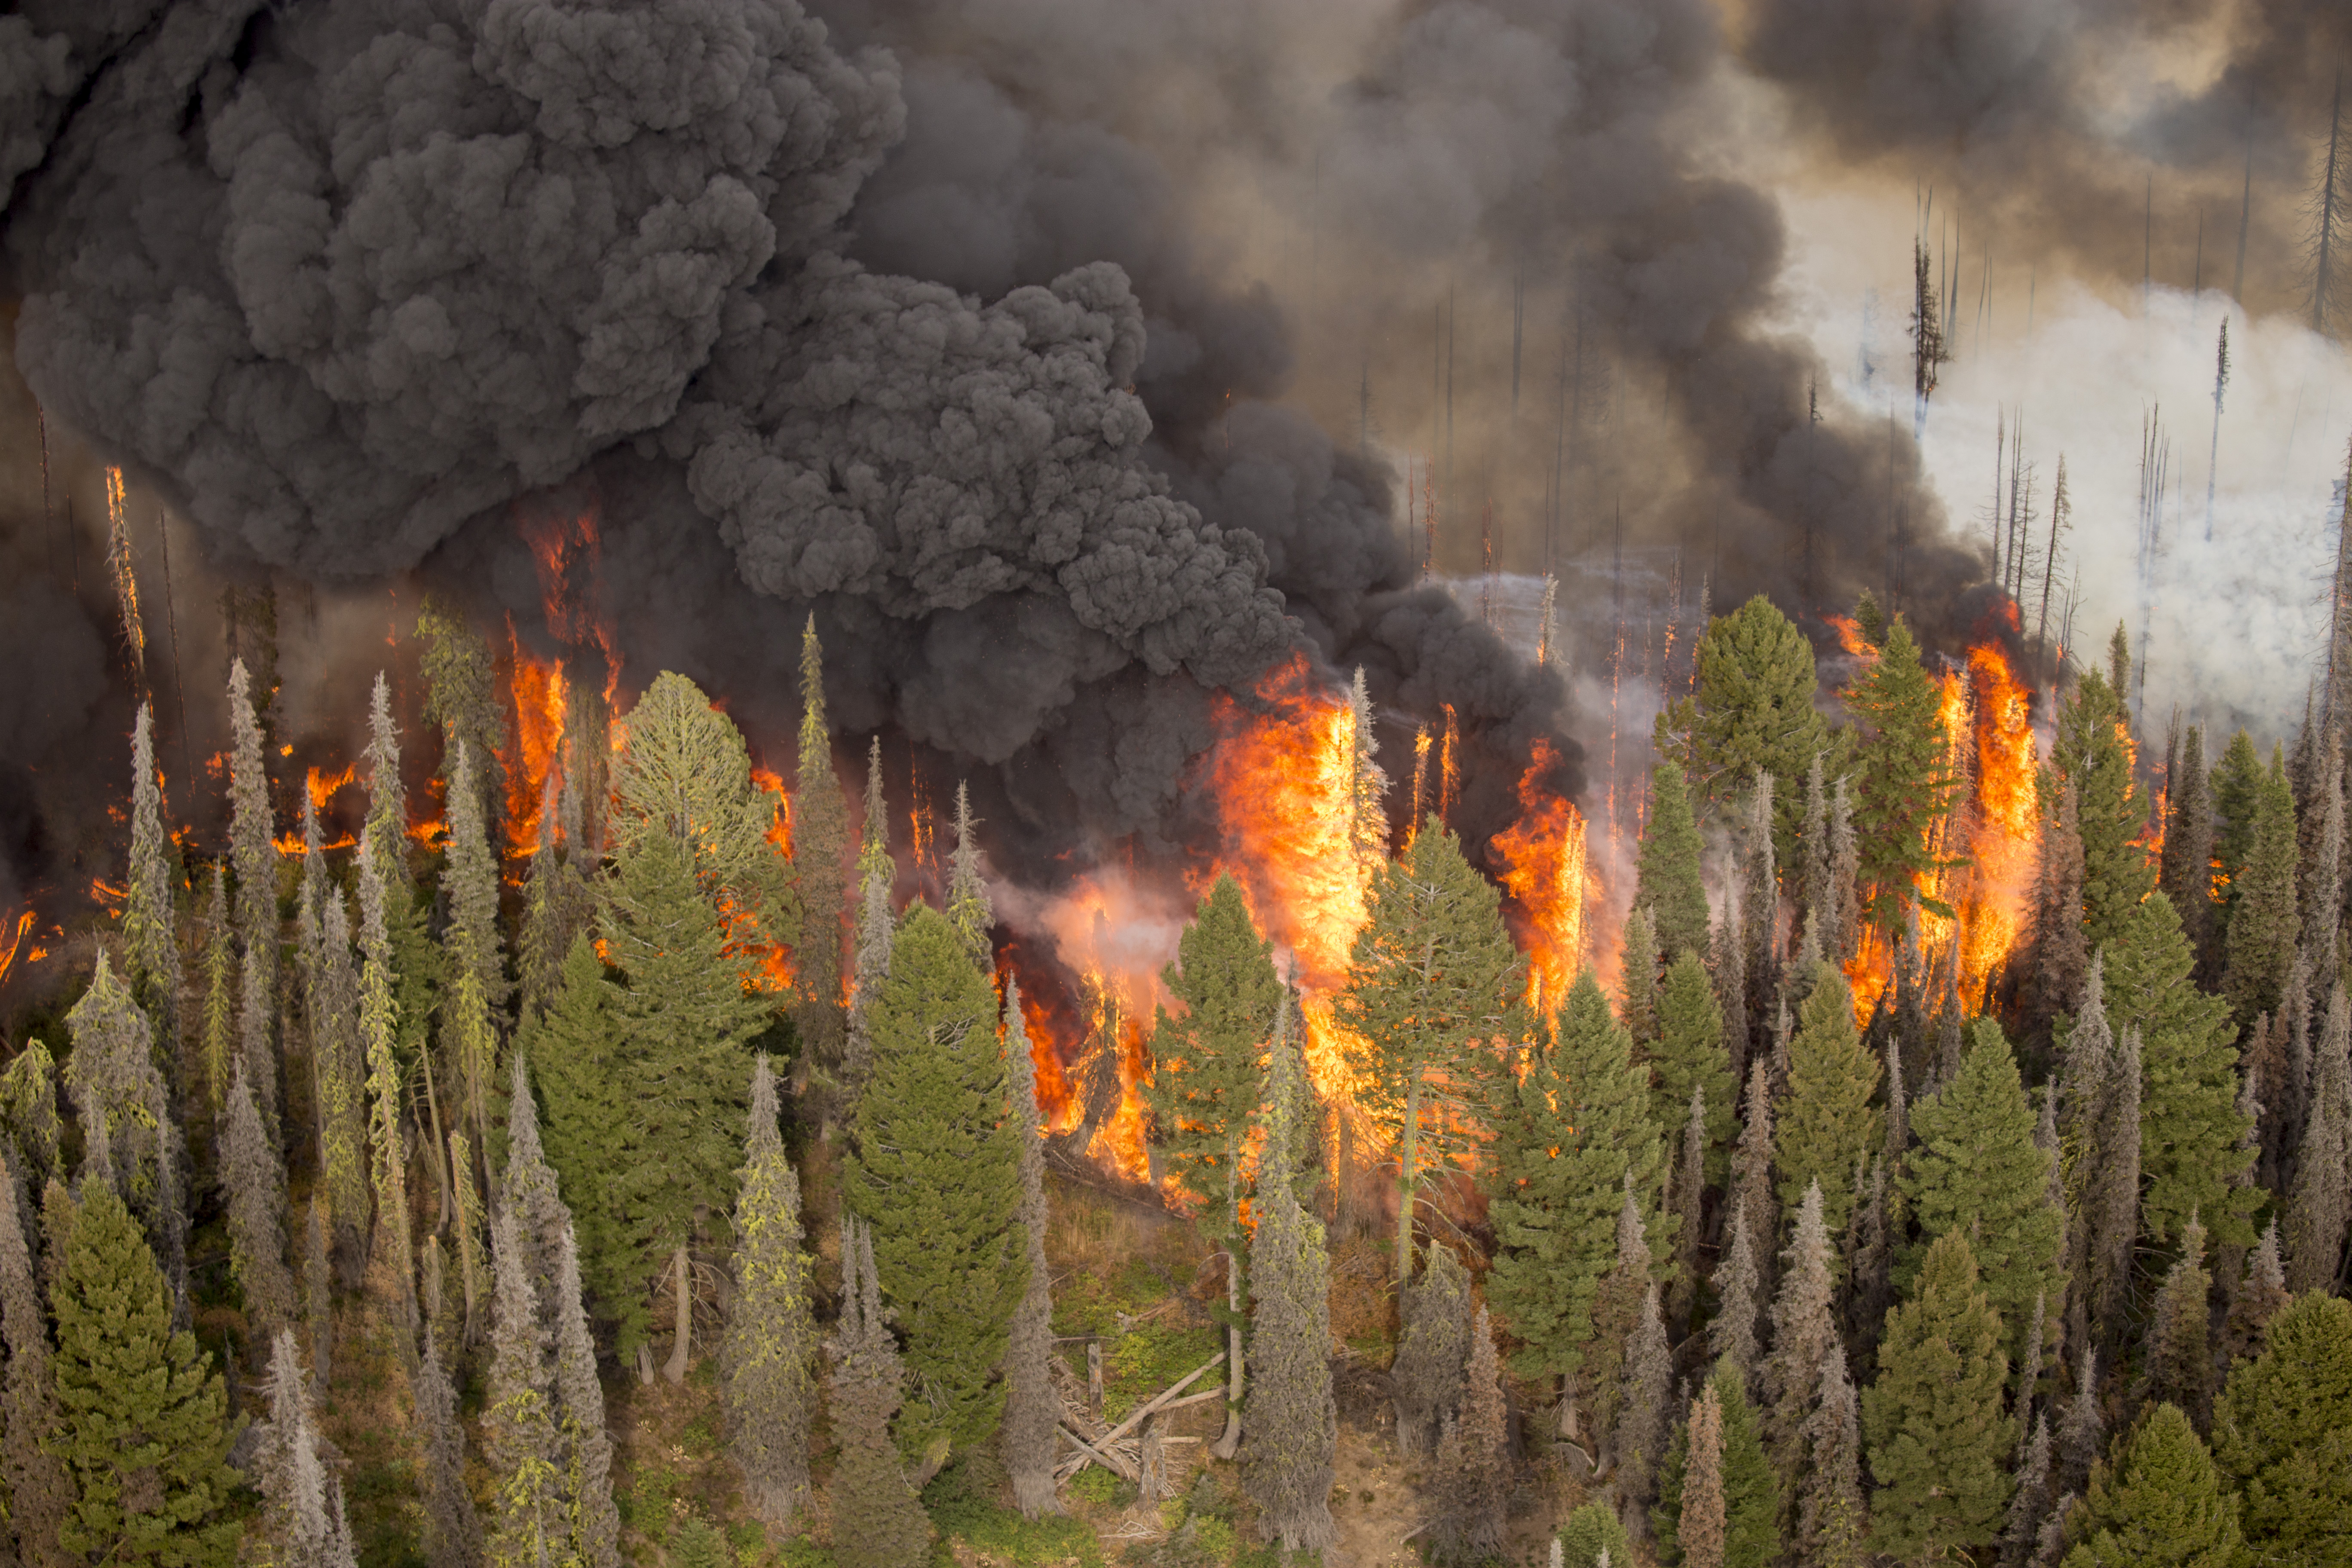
(1543, 861)
(15, 945)
(540, 697)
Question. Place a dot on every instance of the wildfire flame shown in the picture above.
(15, 945)
(540, 703)
(1542, 855)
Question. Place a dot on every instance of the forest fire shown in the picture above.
(1543, 868)
(535, 746)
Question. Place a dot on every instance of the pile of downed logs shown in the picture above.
(1129, 1450)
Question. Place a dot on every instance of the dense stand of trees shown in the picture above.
(2044, 1269)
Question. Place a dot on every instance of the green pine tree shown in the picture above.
(462, 696)
(253, 849)
(2185, 871)
(217, 1045)
(1033, 1405)
(934, 1169)
(1826, 1125)
(2236, 788)
(38, 1490)
(470, 878)
(1568, 1133)
(2157, 1502)
(769, 1357)
(1752, 711)
(2095, 752)
(254, 1180)
(2180, 1367)
(2191, 1133)
(2264, 924)
(2283, 1435)
(876, 1520)
(1751, 1496)
(1432, 981)
(1637, 1004)
(1804, 1337)
(379, 1026)
(151, 950)
(1977, 1170)
(1691, 1058)
(1668, 887)
(143, 1430)
(969, 909)
(821, 855)
(1902, 780)
(1938, 1438)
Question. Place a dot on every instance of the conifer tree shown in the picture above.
(255, 1182)
(471, 880)
(1642, 1426)
(1368, 818)
(2192, 1137)
(38, 1492)
(2282, 1435)
(340, 1062)
(1760, 898)
(969, 909)
(873, 928)
(1590, 1537)
(1569, 1135)
(1731, 1337)
(452, 1533)
(1432, 1347)
(1752, 711)
(1751, 1496)
(385, 832)
(1474, 1466)
(1639, 998)
(527, 1187)
(1431, 980)
(252, 847)
(1616, 1313)
(934, 1171)
(821, 855)
(529, 1522)
(2061, 952)
(591, 1520)
(2157, 1503)
(1699, 1525)
(877, 1522)
(2186, 875)
(2237, 789)
(1831, 1521)
(1689, 1192)
(129, 1137)
(1804, 1335)
(2264, 924)
(304, 1528)
(1752, 1194)
(143, 1430)
(1937, 1436)
(557, 905)
(257, 1027)
(1204, 1086)
(643, 1132)
(2255, 1301)
(1902, 781)
(2179, 1367)
(318, 1290)
(379, 1025)
(2082, 1428)
(767, 1359)
(2319, 1200)
(150, 950)
(1031, 1403)
(473, 1277)
(1668, 889)
(461, 696)
(219, 1044)
(1690, 1058)
(1827, 1124)
(2111, 1208)
(1291, 1421)
(2029, 1506)
(1977, 1169)
(2093, 753)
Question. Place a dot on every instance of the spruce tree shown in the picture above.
(143, 1430)
(1639, 996)
(1699, 1523)
(1902, 782)
(473, 1276)
(1751, 1496)
(1804, 1335)
(217, 1043)
(2186, 872)
(470, 878)
(1432, 1347)
(1689, 1190)
(2157, 1503)
(1827, 1124)
(254, 1181)
(2095, 754)
(575, 1046)
(1729, 958)
(304, 1527)
(151, 950)
(2111, 1208)
(1031, 1403)
(768, 1361)
(1473, 1464)
(1752, 1194)
(318, 1289)
(557, 905)
(385, 832)
(1731, 1337)
(1977, 1169)
(1831, 1522)
(2319, 1199)
(1752, 711)
(529, 1523)
(256, 1025)
(1642, 1426)
(2061, 953)
(1616, 1314)
(1938, 1438)
(2082, 1428)
(821, 855)
(872, 928)
(2029, 1506)
(2192, 1137)
(2282, 1435)
(1204, 1086)
(969, 909)
(2180, 1367)
(1690, 1058)
(2254, 1300)
(1759, 900)
(1668, 887)
(253, 849)
(379, 1025)
(1291, 1421)
(591, 1520)
(2263, 921)
(339, 1059)
(129, 1137)
(934, 1171)
(452, 1533)
(39, 1491)
(1587, 1533)
(462, 696)
(1569, 1134)
(877, 1522)
(1433, 979)
(2236, 787)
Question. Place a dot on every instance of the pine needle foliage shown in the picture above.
(769, 1356)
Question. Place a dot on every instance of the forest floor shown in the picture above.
(1139, 1278)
